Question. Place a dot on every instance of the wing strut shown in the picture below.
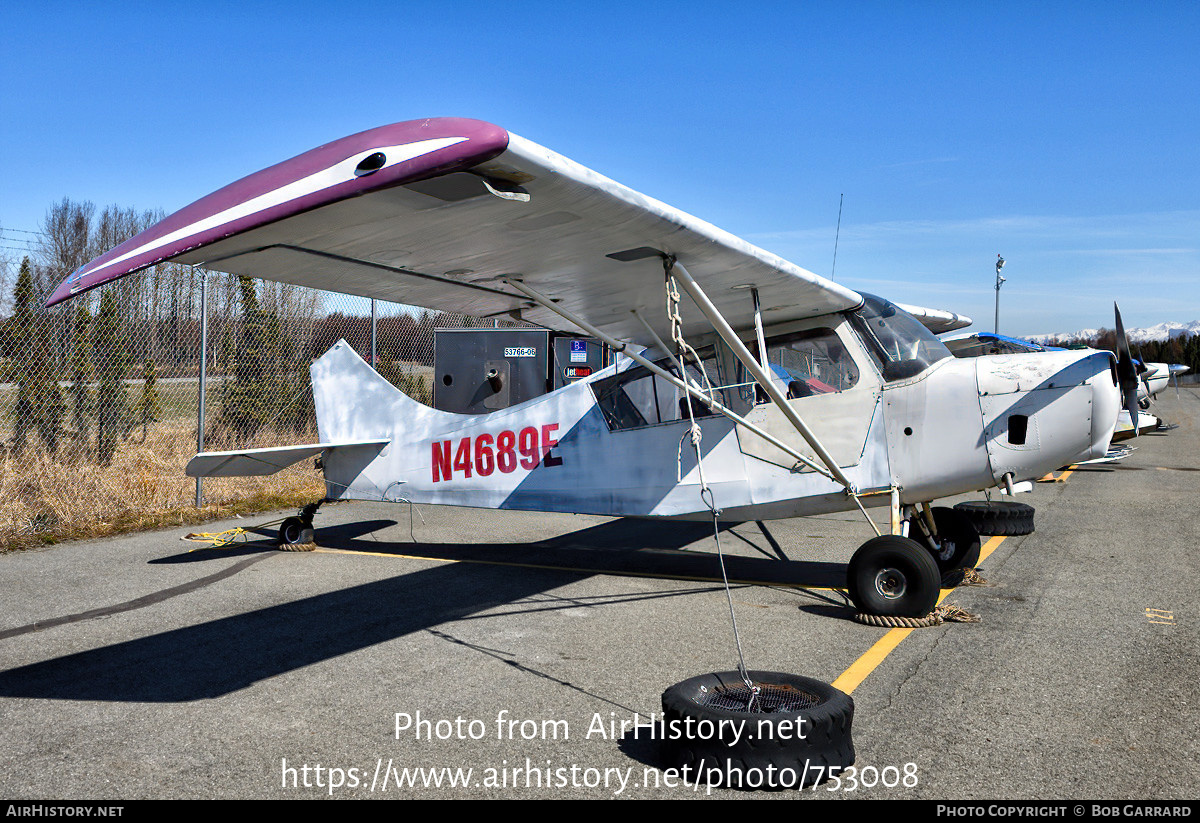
(621, 347)
(676, 269)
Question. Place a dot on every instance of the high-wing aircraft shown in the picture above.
(771, 392)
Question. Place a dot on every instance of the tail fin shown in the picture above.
(353, 401)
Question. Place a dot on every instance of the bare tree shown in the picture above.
(66, 242)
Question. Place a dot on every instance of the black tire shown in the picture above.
(959, 539)
(893, 576)
(295, 534)
(1002, 517)
(796, 747)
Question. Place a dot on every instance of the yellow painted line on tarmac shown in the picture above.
(1061, 478)
(850, 679)
(987, 548)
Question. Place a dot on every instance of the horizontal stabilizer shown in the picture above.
(259, 462)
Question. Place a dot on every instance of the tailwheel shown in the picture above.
(893, 576)
(956, 545)
(296, 534)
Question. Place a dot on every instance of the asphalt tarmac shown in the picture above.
(503, 651)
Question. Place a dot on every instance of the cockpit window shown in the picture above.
(808, 362)
(897, 340)
(637, 397)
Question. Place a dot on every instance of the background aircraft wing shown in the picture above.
(434, 213)
(937, 321)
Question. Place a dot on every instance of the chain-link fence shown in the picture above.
(100, 405)
(100, 396)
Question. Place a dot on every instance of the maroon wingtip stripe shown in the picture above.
(483, 142)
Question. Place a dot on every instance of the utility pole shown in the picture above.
(999, 280)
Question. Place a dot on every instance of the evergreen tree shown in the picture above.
(249, 399)
(149, 409)
(81, 374)
(113, 419)
(19, 328)
(39, 405)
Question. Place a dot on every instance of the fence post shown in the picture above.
(374, 363)
(203, 378)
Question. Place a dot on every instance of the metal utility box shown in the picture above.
(476, 371)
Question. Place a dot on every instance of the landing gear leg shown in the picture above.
(948, 535)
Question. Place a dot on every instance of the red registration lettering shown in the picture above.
(441, 460)
(462, 457)
(506, 457)
(484, 461)
(486, 453)
(529, 448)
(547, 444)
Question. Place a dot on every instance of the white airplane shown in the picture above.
(784, 394)
(1156, 378)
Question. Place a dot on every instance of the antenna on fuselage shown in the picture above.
(837, 234)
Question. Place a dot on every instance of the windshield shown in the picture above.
(900, 344)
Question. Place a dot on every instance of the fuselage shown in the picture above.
(886, 401)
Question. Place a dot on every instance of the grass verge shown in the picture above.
(47, 498)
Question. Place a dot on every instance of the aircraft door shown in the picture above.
(829, 381)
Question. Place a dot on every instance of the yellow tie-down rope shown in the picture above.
(217, 540)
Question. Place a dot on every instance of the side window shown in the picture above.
(809, 362)
(635, 397)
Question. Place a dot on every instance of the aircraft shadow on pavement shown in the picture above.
(264, 539)
(221, 656)
(625, 546)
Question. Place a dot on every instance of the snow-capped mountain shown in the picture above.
(1163, 331)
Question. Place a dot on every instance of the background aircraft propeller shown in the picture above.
(1127, 373)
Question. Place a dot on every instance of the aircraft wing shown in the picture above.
(937, 320)
(434, 213)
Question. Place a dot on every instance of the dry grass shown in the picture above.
(47, 498)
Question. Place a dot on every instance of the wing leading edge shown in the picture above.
(436, 213)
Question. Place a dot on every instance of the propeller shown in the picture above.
(1144, 375)
(1127, 373)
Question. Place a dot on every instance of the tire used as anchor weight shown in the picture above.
(958, 540)
(893, 576)
(1001, 517)
(796, 735)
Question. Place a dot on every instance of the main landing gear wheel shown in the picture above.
(959, 541)
(893, 576)
(794, 733)
(296, 535)
(1002, 517)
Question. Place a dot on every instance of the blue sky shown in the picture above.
(1063, 136)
